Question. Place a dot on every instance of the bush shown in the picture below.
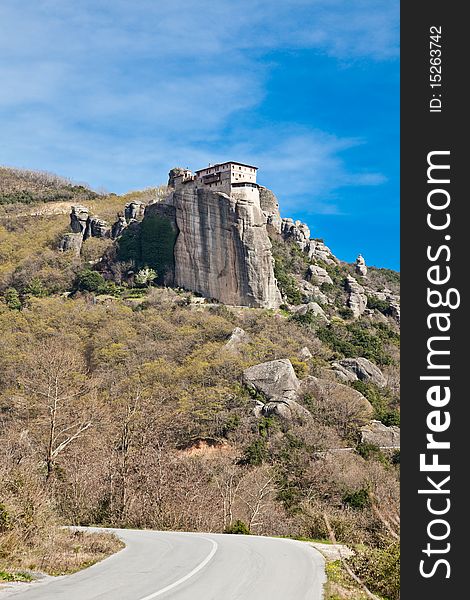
(300, 367)
(358, 499)
(256, 453)
(358, 339)
(379, 569)
(91, 281)
(381, 401)
(381, 305)
(12, 299)
(239, 527)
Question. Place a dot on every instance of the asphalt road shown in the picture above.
(192, 566)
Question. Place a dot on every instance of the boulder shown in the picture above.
(363, 369)
(317, 250)
(305, 354)
(313, 307)
(275, 379)
(380, 435)
(327, 390)
(288, 409)
(295, 231)
(98, 228)
(312, 292)
(237, 338)
(357, 300)
(343, 374)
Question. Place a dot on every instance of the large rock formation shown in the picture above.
(270, 207)
(82, 227)
(222, 248)
(277, 382)
(360, 266)
(357, 300)
(361, 368)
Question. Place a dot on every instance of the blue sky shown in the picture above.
(116, 92)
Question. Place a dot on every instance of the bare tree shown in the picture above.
(53, 388)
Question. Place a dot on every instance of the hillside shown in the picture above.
(21, 185)
(171, 410)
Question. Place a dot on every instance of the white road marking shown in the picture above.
(200, 566)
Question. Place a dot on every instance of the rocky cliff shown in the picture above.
(222, 248)
(235, 249)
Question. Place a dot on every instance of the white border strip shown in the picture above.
(200, 566)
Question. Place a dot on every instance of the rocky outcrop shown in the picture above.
(360, 266)
(83, 226)
(134, 210)
(79, 217)
(318, 274)
(316, 250)
(277, 382)
(305, 353)
(222, 250)
(311, 292)
(270, 207)
(296, 231)
(98, 228)
(362, 369)
(343, 374)
(118, 227)
(312, 307)
(357, 300)
(71, 242)
(380, 435)
(175, 172)
(275, 379)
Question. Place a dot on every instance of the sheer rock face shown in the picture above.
(222, 250)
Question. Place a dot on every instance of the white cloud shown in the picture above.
(115, 92)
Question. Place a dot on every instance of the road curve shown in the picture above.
(192, 566)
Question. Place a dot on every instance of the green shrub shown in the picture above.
(358, 339)
(91, 281)
(12, 299)
(371, 451)
(358, 499)
(129, 245)
(239, 527)
(381, 305)
(381, 401)
(256, 453)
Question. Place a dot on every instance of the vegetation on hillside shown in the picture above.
(148, 423)
(25, 186)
